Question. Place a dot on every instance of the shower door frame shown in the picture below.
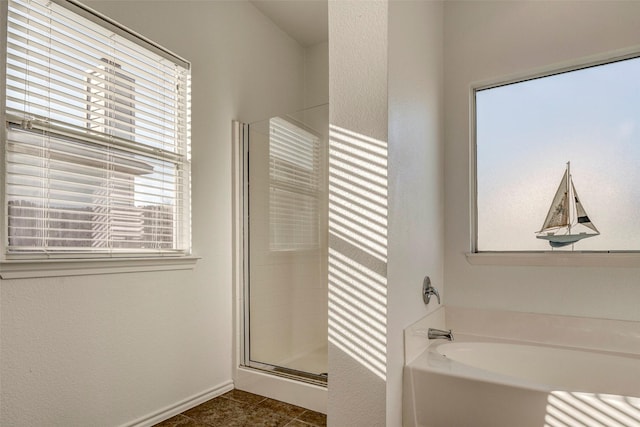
(245, 341)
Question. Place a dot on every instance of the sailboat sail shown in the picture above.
(566, 211)
(558, 215)
(581, 214)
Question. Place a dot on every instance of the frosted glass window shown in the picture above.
(558, 161)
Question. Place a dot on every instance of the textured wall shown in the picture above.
(107, 350)
(357, 213)
(489, 40)
(416, 175)
(316, 75)
(386, 64)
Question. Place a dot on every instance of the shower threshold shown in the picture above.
(281, 371)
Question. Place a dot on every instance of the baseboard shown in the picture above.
(177, 408)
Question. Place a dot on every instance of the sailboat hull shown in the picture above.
(558, 241)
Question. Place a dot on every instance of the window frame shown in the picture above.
(30, 265)
(540, 258)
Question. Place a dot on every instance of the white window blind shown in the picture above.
(294, 179)
(97, 155)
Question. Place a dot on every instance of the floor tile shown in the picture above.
(282, 408)
(238, 408)
(244, 396)
(314, 418)
(180, 421)
(297, 423)
(258, 417)
(217, 410)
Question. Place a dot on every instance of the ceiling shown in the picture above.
(306, 21)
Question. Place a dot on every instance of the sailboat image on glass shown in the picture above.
(567, 222)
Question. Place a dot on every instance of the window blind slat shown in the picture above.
(163, 96)
(60, 26)
(51, 82)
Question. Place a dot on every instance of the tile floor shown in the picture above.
(240, 408)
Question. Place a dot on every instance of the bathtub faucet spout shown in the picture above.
(434, 334)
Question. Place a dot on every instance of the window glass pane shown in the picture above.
(529, 133)
(68, 195)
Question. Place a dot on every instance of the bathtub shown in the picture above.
(476, 381)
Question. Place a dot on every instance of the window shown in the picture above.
(543, 141)
(96, 143)
(294, 180)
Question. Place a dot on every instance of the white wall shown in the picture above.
(488, 40)
(316, 74)
(357, 264)
(389, 92)
(107, 350)
(416, 176)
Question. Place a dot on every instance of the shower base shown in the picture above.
(314, 362)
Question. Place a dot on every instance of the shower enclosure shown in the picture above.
(285, 245)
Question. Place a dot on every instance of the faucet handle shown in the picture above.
(428, 290)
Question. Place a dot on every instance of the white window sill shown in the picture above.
(556, 259)
(24, 269)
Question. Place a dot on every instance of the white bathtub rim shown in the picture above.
(467, 337)
(431, 360)
(451, 368)
(561, 368)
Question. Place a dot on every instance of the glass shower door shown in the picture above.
(286, 244)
